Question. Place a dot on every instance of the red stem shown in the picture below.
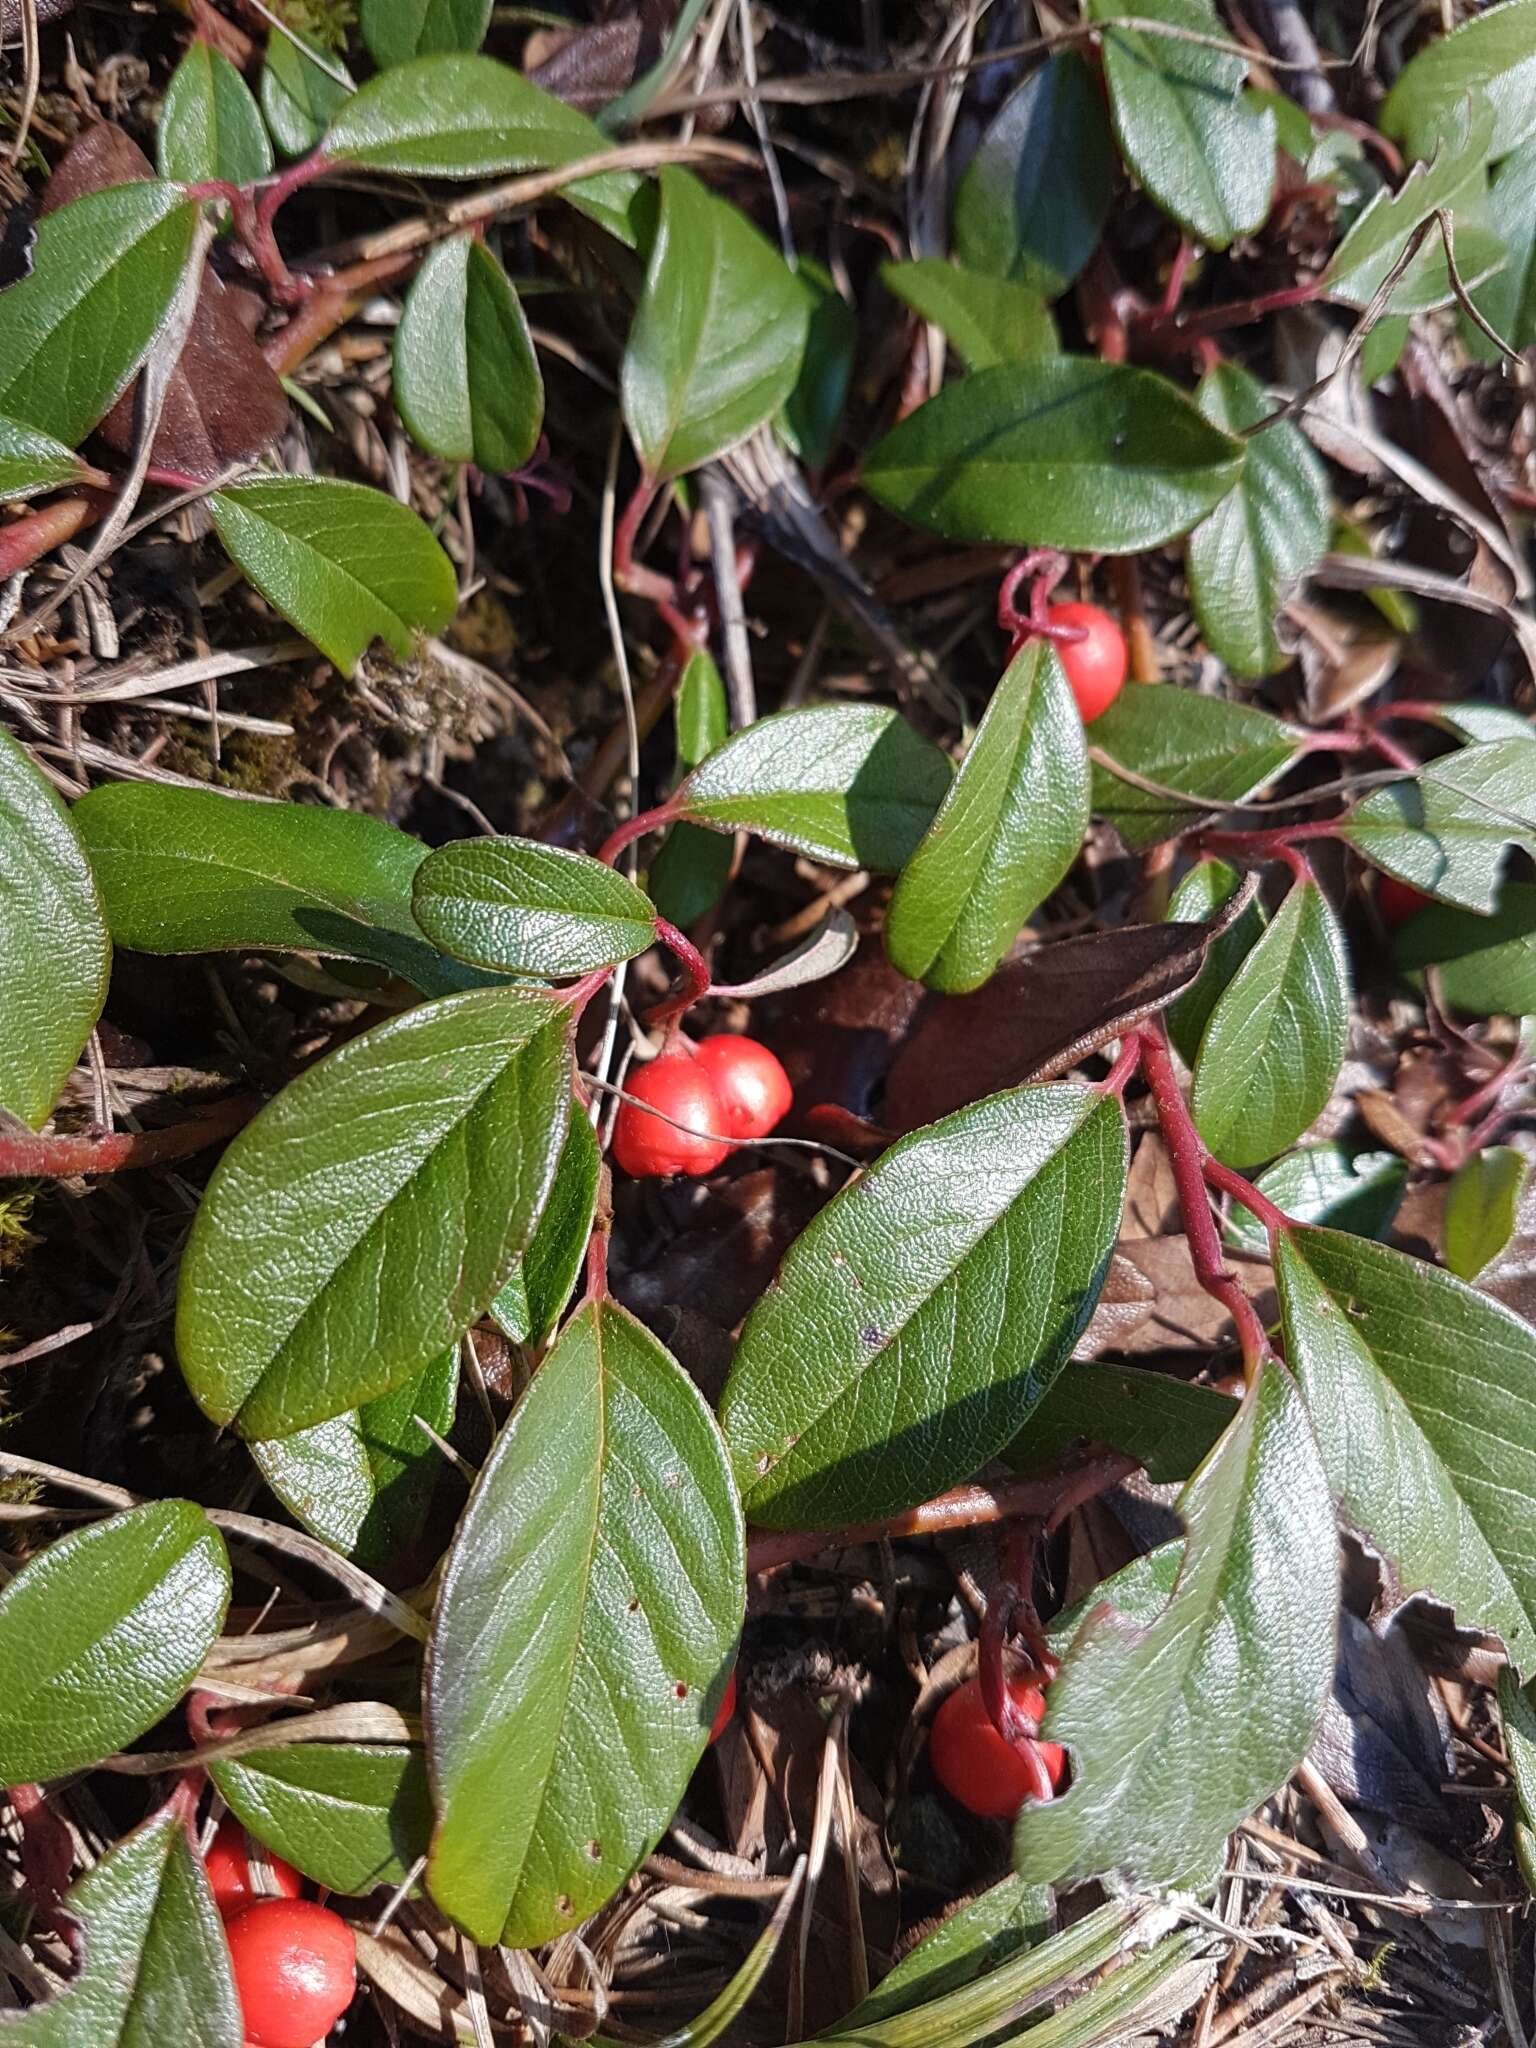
(1274, 842)
(1119, 1075)
(47, 1858)
(26, 1157)
(26, 540)
(697, 977)
(1472, 1108)
(656, 820)
(1269, 1214)
(1236, 313)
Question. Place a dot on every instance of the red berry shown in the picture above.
(295, 1967)
(680, 1087)
(972, 1761)
(1095, 667)
(750, 1081)
(228, 1865)
(1398, 901)
(727, 1709)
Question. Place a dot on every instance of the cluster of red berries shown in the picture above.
(1095, 666)
(977, 1765)
(294, 1961)
(722, 1088)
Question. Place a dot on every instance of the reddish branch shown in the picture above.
(47, 1857)
(634, 828)
(696, 975)
(25, 1156)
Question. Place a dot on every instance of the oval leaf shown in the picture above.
(926, 1310)
(588, 1617)
(1276, 1038)
(715, 345)
(1066, 452)
(1167, 1425)
(55, 955)
(467, 381)
(372, 1210)
(102, 1633)
(397, 30)
(31, 461)
(822, 952)
(525, 908)
(1205, 748)
(210, 126)
(1493, 55)
(1008, 830)
(1486, 965)
(1379, 236)
(1482, 1205)
(344, 564)
(1205, 890)
(297, 97)
(534, 1299)
(813, 411)
(1150, 1798)
(989, 319)
(849, 784)
(352, 1816)
(1324, 1184)
(1446, 831)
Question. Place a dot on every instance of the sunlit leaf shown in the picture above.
(466, 379)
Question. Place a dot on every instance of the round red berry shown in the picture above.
(681, 1088)
(1398, 901)
(228, 1864)
(295, 1966)
(726, 1710)
(1095, 666)
(751, 1082)
(972, 1761)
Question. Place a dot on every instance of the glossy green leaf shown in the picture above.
(470, 117)
(363, 1481)
(398, 30)
(105, 271)
(1204, 747)
(1472, 721)
(373, 1210)
(1004, 1921)
(210, 126)
(1452, 180)
(920, 1317)
(31, 461)
(1493, 54)
(717, 339)
(1293, 125)
(534, 1299)
(989, 319)
(1482, 1203)
(526, 908)
(352, 1816)
(1447, 830)
(1517, 1711)
(1008, 830)
(194, 871)
(699, 710)
(1507, 301)
(1152, 1796)
(812, 414)
(102, 1633)
(1275, 1041)
(1380, 354)
(1324, 1184)
(297, 97)
(690, 872)
(1203, 891)
(1422, 1390)
(155, 1967)
(1486, 965)
(849, 784)
(587, 1621)
(1198, 148)
(1034, 198)
(467, 381)
(1269, 530)
(1166, 1425)
(55, 955)
(1066, 452)
(344, 564)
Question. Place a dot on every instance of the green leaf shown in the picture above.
(1350, 538)
(1518, 1713)
(1197, 899)
(926, 1310)
(1452, 180)
(55, 955)
(588, 1617)
(1323, 1184)
(1484, 722)
(155, 1970)
(1446, 830)
(105, 270)
(534, 1299)
(1487, 965)
(352, 1816)
(812, 414)
(210, 126)
(102, 1633)
(1004, 1921)
(1006, 833)
(1066, 452)
(344, 564)
(1270, 529)
(1507, 301)
(467, 381)
(373, 1210)
(1204, 155)
(1275, 1041)
(1293, 125)
(194, 871)
(1482, 1203)
(699, 710)
(470, 117)
(849, 784)
(989, 319)
(1166, 1425)
(1380, 354)
(525, 908)
(689, 873)
(718, 336)
(297, 97)
(1034, 198)
(397, 30)
(1422, 1390)
(1203, 747)
(1251, 1619)
(363, 1482)
(31, 461)
(1492, 55)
